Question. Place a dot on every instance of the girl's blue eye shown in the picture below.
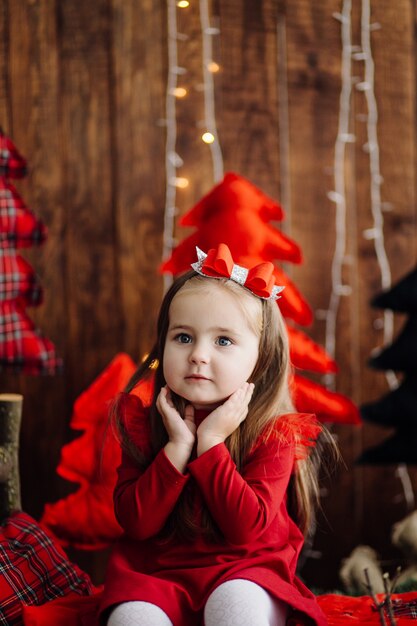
(224, 341)
(183, 338)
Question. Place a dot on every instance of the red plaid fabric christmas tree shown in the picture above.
(22, 346)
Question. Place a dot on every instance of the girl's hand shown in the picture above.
(224, 420)
(181, 432)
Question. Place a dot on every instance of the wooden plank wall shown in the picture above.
(83, 95)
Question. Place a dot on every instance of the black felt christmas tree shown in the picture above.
(398, 408)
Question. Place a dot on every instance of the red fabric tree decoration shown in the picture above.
(85, 519)
(22, 346)
(237, 213)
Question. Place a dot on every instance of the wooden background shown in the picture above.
(83, 95)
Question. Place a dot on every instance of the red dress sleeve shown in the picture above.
(144, 498)
(243, 505)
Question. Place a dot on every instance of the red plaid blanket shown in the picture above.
(33, 569)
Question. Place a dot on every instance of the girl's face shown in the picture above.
(211, 347)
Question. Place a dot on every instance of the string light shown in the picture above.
(377, 208)
(171, 157)
(174, 91)
(376, 233)
(209, 106)
(284, 124)
(338, 195)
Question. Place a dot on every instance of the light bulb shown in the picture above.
(180, 182)
(178, 92)
(183, 4)
(207, 137)
(212, 66)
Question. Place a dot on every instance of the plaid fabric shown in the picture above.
(33, 569)
(12, 163)
(19, 228)
(17, 279)
(22, 347)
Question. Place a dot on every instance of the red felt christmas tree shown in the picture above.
(237, 213)
(22, 347)
(85, 519)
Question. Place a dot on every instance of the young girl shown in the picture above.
(215, 481)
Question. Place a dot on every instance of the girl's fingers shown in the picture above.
(169, 397)
(249, 392)
(165, 397)
(189, 413)
(241, 398)
(189, 418)
(242, 395)
(164, 405)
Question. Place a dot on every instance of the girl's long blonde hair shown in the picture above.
(270, 400)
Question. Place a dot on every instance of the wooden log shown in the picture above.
(10, 419)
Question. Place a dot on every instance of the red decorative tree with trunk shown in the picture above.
(237, 213)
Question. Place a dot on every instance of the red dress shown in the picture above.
(261, 541)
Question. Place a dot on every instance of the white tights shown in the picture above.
(138, 614)
(243, 603)
(234, 603)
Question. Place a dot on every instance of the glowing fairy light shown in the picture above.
(179, 182)
(209, 106)
(179, 92)
(213, 67)
(207, 137)
(183, 4)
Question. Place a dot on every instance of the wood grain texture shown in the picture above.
(248, 92)
(83, 95)
(5, 120)
(92, 278)
(33, 101)
(139, 76)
